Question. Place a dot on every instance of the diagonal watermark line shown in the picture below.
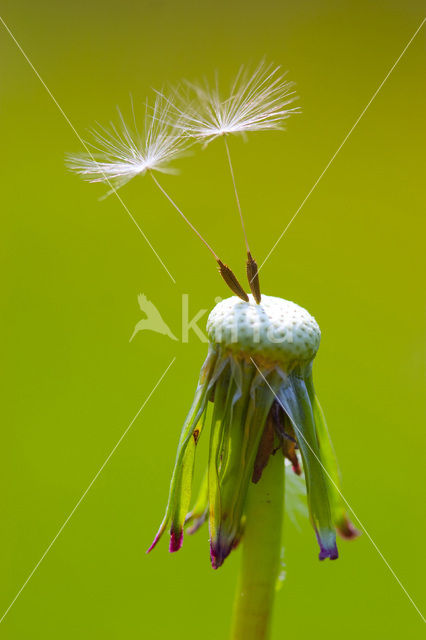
(344, 140)
(344, 499)
(113, 189)
(84, 494)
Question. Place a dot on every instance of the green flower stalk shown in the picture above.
(258, 377)
(261, 554)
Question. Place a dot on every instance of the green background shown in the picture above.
(72, 267)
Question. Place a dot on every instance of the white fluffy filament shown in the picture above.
(256, 102)
(120, 152)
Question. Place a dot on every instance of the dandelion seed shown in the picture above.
(120, 153)
(256, 102)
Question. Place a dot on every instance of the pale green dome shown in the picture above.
(276, 330)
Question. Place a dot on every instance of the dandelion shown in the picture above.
(258, 377)
(256, 102)
(119, 153)
(255, 393)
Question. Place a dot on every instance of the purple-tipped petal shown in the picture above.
(219, 551)
(344, 526)
(196, 523)
(180, 487)
(153, 544)
(327, 544)
(296, 402)
(176, 541)
(158, 535)
(346, 529)
(221, 547)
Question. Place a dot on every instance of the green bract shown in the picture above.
(258, 376)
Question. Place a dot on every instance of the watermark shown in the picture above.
(153, 320)
(193, 323)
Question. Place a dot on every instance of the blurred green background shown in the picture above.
(72, 267)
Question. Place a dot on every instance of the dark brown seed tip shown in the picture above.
(232, 281)
(253, 277)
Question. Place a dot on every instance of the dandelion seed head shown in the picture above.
(119, 152)
(257, 102)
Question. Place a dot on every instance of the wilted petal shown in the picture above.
(295, 401)
(344, 526)
(183, 493)
(198, 514)
(222, 400)
(233, 473)
(180, 487)
(285, 430)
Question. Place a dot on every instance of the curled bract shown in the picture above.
(258, 376)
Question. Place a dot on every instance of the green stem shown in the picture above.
(260, 555)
